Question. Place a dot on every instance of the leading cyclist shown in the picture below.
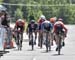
(59, 26)
(19, 27)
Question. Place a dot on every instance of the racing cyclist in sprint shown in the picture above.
(59, 26)
(19, 28)
(40, 36)
(32, 27)
(47, 29)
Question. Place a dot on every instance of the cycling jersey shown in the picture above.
(46, 25)
(59, 26)
(32, 27)
(20, 24)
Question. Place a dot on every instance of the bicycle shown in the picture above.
(48, 42)
(32, 39)
(60, 42)
(19, 40)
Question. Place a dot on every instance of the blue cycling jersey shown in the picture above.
(46, 25)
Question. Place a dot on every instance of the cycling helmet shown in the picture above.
(52, 20)
(32, 21)
(43, 17)
(19, 19)
(60, 19)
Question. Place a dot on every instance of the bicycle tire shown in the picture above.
(32, 42)
(49, 45)
(41, 42)
(19, 42)
(46, 41)
(59, 46)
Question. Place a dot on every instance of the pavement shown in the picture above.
(67, 52)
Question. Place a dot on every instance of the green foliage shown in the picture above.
(57, 9)
(1, 1)
(18, 14)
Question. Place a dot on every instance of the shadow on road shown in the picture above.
(46, 51)
(3, 52)
(57, 54)
(30, 50)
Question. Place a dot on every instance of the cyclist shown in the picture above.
(32, 27)
(52, 20)
(40, 21)
(59, 26)
(47, 28)
(19, 27)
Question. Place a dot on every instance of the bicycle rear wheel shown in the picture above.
(59, 46)
(41, 41)
(47, 45)
(32, 42)
(19, 43)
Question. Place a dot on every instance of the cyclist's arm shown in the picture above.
(42, 27)
(27, 29)
(51, 26)
(64, 28)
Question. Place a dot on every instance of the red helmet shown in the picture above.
(52, 20)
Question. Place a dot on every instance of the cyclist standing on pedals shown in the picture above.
(53, 20)
(19, 27)
(32, 27)
(59, 26)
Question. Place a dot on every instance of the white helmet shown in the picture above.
(19, 19)
(43, 17)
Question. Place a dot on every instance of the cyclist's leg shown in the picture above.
(39, 38)
(29, 35)
(63, 38)
(30, 38)
(44, 37)
(35, 34)
(57, 41)
(35, 37)
(51, 38)
(17, 40)
(21, 38)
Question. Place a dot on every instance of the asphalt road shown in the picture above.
(67, 52)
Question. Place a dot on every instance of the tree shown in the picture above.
(18, 14)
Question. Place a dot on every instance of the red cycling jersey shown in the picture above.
(20, 23)
(62, 24)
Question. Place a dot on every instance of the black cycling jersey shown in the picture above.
(32, 27)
